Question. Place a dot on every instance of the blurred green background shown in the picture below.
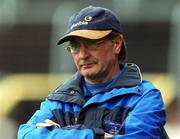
(32, 65)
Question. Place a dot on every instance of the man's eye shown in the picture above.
(93, 43)
(74, 44)
(98, 42)
(74, 47)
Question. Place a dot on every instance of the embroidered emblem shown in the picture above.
(88, 18)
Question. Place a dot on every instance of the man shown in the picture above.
(106, 98)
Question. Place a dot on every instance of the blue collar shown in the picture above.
(92, 89)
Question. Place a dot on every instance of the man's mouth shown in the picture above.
(87, 64)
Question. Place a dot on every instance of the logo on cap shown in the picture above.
(85, 22)
(88, 18)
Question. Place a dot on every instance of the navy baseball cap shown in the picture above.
(93, 23)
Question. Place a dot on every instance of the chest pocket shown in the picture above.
(105, 118)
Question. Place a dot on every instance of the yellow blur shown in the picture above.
(19, 87)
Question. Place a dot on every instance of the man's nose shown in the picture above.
(83, 51)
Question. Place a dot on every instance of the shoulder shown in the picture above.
(69, 92)
(148, 86)
(71, 84)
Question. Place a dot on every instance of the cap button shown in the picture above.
(90, 6)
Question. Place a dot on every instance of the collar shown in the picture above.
(71, 90)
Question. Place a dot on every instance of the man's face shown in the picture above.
(97, 60)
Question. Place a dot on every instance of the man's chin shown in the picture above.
(88, 74)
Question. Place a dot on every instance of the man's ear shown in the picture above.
(117, 44)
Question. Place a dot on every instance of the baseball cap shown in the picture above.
(92, 23)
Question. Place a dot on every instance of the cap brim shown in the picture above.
(88, 34)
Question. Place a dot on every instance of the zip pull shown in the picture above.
(75, 120)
